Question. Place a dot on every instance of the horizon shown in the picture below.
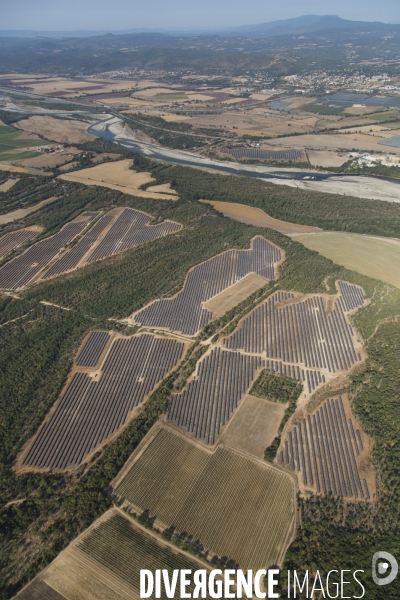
(180, 15)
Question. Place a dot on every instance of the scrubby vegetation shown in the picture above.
(277, 388)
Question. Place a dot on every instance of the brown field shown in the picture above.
(23, 212)
(162, 188)
(258, 218)
(12, 168)
(49, 159)
(232, 296)
(103, 563)
(60, 86)
(326, 158)
(117, 176)
(4, 187)
(253, 426)
(236, 506)
(66, 131)
(333, 142)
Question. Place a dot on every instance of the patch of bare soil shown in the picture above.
(66, 131)
(254, 425)
(232, 296)
(257, 217)
(23, 212)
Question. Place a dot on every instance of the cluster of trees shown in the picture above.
(328, 211)
(277, 388)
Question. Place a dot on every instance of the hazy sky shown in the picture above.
(179, 14)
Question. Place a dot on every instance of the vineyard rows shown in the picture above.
(124, 550)
(235, 507)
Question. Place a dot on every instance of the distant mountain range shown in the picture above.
(307, 24)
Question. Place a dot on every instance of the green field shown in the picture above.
(233, 506)
(163, 97)
(10, 142)
(374, 257)
(384, 116)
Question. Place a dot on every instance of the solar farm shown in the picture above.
(326, 450)
(287, 335)
(184, 313)
(131, 229)
(234, 506)
(302, 332)
(13, 240)
(24, 268)
(105, 562)
(259, 153)
(96, 404)
(116, 231)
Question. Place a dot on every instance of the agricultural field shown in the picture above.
(372, 256)
(257, 217)
(14, 144)
(184, 313)
(233, 506)
(65, 131)
(68, 88)
(105, 563)
(98, 402)
(21, 270)
(4, 187)
(20, 213)
(330, 453)
(254, 426)
(118, 176)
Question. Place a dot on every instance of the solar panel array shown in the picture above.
(184, 313)
(91, 351)
(301, 332)
(210, 399)
(353, 295)
(91, 410)
(322, 448)
(264, 154)
(19, 271)
(12, 240)
(129, 230)
(72, 257)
